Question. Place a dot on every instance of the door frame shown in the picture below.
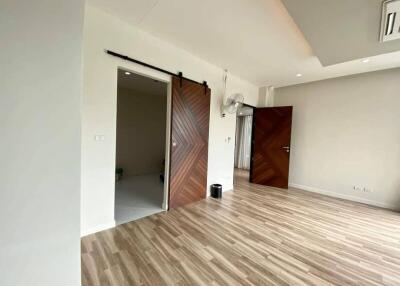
(251, 145)
(156, 75)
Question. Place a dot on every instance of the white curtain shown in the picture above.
(243, 142)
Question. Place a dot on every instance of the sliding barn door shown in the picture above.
(189, 142)
(271, 146)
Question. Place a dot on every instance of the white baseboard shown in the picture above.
(227, 190)
(345, 197)
(98, 228)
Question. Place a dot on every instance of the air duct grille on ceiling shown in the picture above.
(390, 29)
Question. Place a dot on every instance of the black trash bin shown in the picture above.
(216, 191)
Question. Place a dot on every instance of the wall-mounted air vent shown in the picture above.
(390, 20)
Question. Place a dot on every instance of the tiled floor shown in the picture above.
(137, 197)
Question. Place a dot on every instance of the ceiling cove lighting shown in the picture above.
(299, 75)
(366, 61)
(127, 73)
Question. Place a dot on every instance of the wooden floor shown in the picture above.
(254, 236)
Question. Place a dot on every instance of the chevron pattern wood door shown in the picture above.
(189, 142)
(272, 128)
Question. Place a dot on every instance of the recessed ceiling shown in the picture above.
(341, 30)
(256, 40)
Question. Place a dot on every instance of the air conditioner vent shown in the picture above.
(390, 29)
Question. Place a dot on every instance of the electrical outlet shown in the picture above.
(99, 137)
(362, 189)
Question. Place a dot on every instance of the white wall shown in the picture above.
(346, 132)
(103, 31)
(141, 128)
(40, 94)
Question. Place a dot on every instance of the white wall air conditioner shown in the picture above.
(390, 26)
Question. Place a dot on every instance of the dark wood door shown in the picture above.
(271, 146)
(189, 142)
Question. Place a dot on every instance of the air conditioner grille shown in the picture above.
(390, 29)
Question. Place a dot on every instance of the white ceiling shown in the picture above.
(255, 39)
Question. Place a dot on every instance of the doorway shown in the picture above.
(244, 128)
(140, 146)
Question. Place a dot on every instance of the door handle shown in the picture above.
(287, 148)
